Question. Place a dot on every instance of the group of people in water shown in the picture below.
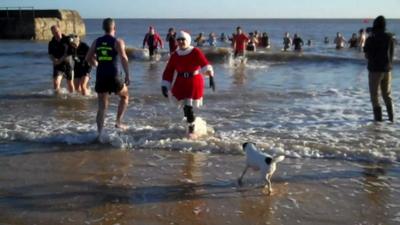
(241, 42)
(183, 76)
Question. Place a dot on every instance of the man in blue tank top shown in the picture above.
(104, 54)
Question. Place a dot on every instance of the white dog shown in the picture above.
(258, 160)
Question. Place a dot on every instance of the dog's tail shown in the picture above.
(278, 159)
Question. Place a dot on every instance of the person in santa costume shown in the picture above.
(187, 64)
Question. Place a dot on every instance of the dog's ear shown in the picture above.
(245, 144)
(268, 160)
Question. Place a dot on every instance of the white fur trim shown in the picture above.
(185, 35)
(195, 103)
(166, 84)
(184, 52)
(207, 68)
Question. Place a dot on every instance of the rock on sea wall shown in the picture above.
(35, 24)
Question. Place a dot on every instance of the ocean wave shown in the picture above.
(223, 54)
(274, 138)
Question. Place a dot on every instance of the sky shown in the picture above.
(219, 8)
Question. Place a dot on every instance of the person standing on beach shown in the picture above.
(189, 63)
(104, 54)
(81, 66)
(239, 42)
(62, 61)
(171, 39)
(152, 40)
(379, 49)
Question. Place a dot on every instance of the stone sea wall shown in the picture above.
(35, 24)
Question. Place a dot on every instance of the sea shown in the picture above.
(313, 104)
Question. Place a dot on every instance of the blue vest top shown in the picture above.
(106, 56)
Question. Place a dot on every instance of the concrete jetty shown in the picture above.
(33, 24)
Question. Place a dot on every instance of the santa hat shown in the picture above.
(185, 35)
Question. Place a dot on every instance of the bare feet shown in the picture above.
(121, 126)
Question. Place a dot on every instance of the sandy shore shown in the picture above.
(90, 185)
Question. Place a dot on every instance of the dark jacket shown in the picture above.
(379, 48)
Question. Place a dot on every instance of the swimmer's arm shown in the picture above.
(90, 56)
(120, 46)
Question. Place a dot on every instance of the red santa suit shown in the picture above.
(187, 66)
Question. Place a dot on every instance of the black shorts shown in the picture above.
(108, 84)
(81, 71)
(63, 70)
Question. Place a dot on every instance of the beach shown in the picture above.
(313, 106)
(99, 185)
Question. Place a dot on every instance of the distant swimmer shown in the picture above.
(287, 42)
(362, 37)
(171, 39)
(212, 39)
(239, 42)
(297, 42)
(379, 51)
(60, 55)
(252, 43)
(339, 41)
(189, 63)
(223, 38)
(200, 40)
(81, 66)
(104, 54)
(353, 42)
(326, 40)
(265, 42)
(153, 41)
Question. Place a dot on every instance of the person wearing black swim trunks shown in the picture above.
(81, 66)
(62, 61)
(104, 53)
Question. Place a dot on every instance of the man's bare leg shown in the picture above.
(70, 85)
(57, 83)
(122, 106)
(102, 108)
(84, 85)
(77, 84)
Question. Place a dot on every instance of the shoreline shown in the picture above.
(99, 185)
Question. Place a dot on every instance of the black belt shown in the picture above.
(186, 74)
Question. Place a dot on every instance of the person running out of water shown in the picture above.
(339, 41)
(297, 42)
(287, 42)
(353, 42)
(200, 40)
(252, 43)
(189, 63)
(379, 50)
(265, 43)
(239, 42)
(81, 66)
(171, 39)
(152, 40)
(59, 54)
(362, 36)
(104, 53)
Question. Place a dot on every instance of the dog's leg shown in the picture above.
(241, 177)
(268, 185)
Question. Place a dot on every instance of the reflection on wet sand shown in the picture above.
(76, 185)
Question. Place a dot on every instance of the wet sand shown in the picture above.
(100, 185)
